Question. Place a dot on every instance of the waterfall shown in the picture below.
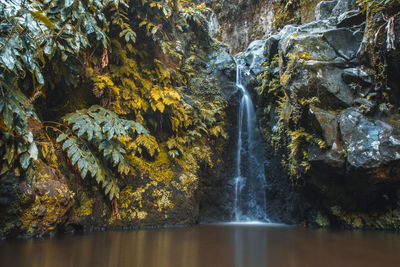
(249, 181)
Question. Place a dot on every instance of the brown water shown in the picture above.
(208, 246)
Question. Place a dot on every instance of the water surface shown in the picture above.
(230, 245)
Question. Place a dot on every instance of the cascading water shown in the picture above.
(249, 180)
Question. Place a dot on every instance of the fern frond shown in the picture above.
(98, 141)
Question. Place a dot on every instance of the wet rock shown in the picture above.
(254, 57)
(324, 9)
(350, 18)
(53, 199)
(315, 46)
(271, 47)
(369, 143)
(213, 24)
(343, 41)
(222, 61)
(34, 208)
(242, 22)
(310, 62)
(315, 27)
(343, 6)
(328, 77)
(356, 75)
(333, 159)
(393, 59)
(221, 68)
(331, 79)
(328, 124)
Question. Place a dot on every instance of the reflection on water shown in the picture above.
(206, 246)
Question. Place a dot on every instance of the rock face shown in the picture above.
(243, 21)
(35, 209)
(326, 112)
(369, 143)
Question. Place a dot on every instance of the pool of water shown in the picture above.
(224, 245)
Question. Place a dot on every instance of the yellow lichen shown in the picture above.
(48, 209)
(379, 220)
(85, 207)
(159, 170)
(131, 201)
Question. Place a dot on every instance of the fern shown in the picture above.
(120, 18)
(99, 143)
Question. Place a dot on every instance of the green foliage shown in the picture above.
(98, 143)
(208, 121)
(33, 32)
(143, 90)
(194, 12)
(159, 17)
(128, 55)
(18, 150)
(298, 139)
(120, 18)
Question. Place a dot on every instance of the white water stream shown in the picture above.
(249, 181)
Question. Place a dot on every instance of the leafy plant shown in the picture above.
(140, 90)
(18, 150)
(99, 144)
(53, 49)
(32, 32)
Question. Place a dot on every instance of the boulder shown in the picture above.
(324, 9)
(221, 61)
(350, 18)
(369, 143)
(314, 57)
(253, 58)
(35, 208)
(343, 41)
(328, 123)
(221, 68)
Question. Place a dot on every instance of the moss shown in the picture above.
(288, 135)
(85, 207)
(293, 12)
(389, 219)
(306, 56)
(52, 201)
(159, 170)
(132, 203)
